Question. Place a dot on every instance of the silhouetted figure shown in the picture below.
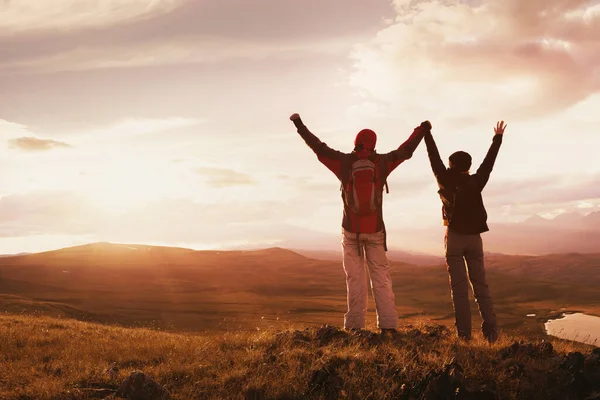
(466, 218)
(363, 174)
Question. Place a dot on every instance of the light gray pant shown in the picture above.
(469, 248)
(372, 245)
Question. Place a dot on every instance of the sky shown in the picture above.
(167, 121)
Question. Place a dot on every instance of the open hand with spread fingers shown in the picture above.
(500, 127)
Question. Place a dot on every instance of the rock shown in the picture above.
(97, 393)
(573, 361)
(437, 331)
(451, 384)
(318, 377)
(254, 394)
(286, 396)
(545, 349)
(415, 332)
(139, 386)
(367, 337)
(326, 333)
(325, 380)
(517, 370)
(446, 384)
(582, 374)
(540, 350)
(509, 351)
(593, 358)
(404, 392)
(482, 393)
(292, 336)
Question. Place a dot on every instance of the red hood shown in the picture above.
(366, 140)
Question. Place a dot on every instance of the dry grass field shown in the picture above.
(46, 358)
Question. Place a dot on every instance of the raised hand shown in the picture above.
(500, 127)
(425, 125)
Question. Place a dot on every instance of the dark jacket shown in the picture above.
(463, 210)
(339, 163)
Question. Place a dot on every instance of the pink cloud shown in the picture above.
(455, 59)
(36, 144)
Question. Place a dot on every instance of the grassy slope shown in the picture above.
(44, 358)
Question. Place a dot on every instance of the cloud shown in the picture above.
(8, 128)
(174, 220)
(458, 59)
(121, 33)
(163, 52)
(142, 126)
(35, 144)
(66, 15)
(549, 190)
(46, 212)
(222, 177)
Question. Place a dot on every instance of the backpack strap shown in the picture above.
(383, 173)
(384, 236)
(357, 229)
(345, 176)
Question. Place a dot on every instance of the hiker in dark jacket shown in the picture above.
(465, 217)
(363, 174)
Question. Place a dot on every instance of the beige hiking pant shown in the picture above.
(372, 245)
(469, 248)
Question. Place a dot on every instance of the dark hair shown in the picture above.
(460, 161)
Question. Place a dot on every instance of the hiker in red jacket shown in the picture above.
(465, 217)
(363, 174)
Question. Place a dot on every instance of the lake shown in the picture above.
(577, 327)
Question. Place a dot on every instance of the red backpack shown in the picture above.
(363, 188)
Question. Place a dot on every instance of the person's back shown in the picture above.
(464, 208)
(362, 175)
(464, 214)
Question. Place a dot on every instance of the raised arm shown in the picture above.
(484, 171)
(406, 149)
(329, 157)
(437, 165)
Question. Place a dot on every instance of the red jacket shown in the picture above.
(338, 162)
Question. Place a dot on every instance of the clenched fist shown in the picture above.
(425, 125)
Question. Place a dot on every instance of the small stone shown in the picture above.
(255, 394)
(138, 386)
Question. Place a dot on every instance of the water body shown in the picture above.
(577, 327)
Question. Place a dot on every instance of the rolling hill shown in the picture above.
(184, 289)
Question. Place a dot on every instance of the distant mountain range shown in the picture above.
(13, 255)
(568, 221)
(567, 233)
(393, 255)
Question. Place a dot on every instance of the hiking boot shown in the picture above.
(491, 337)
(490, 331)
(388, 331)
